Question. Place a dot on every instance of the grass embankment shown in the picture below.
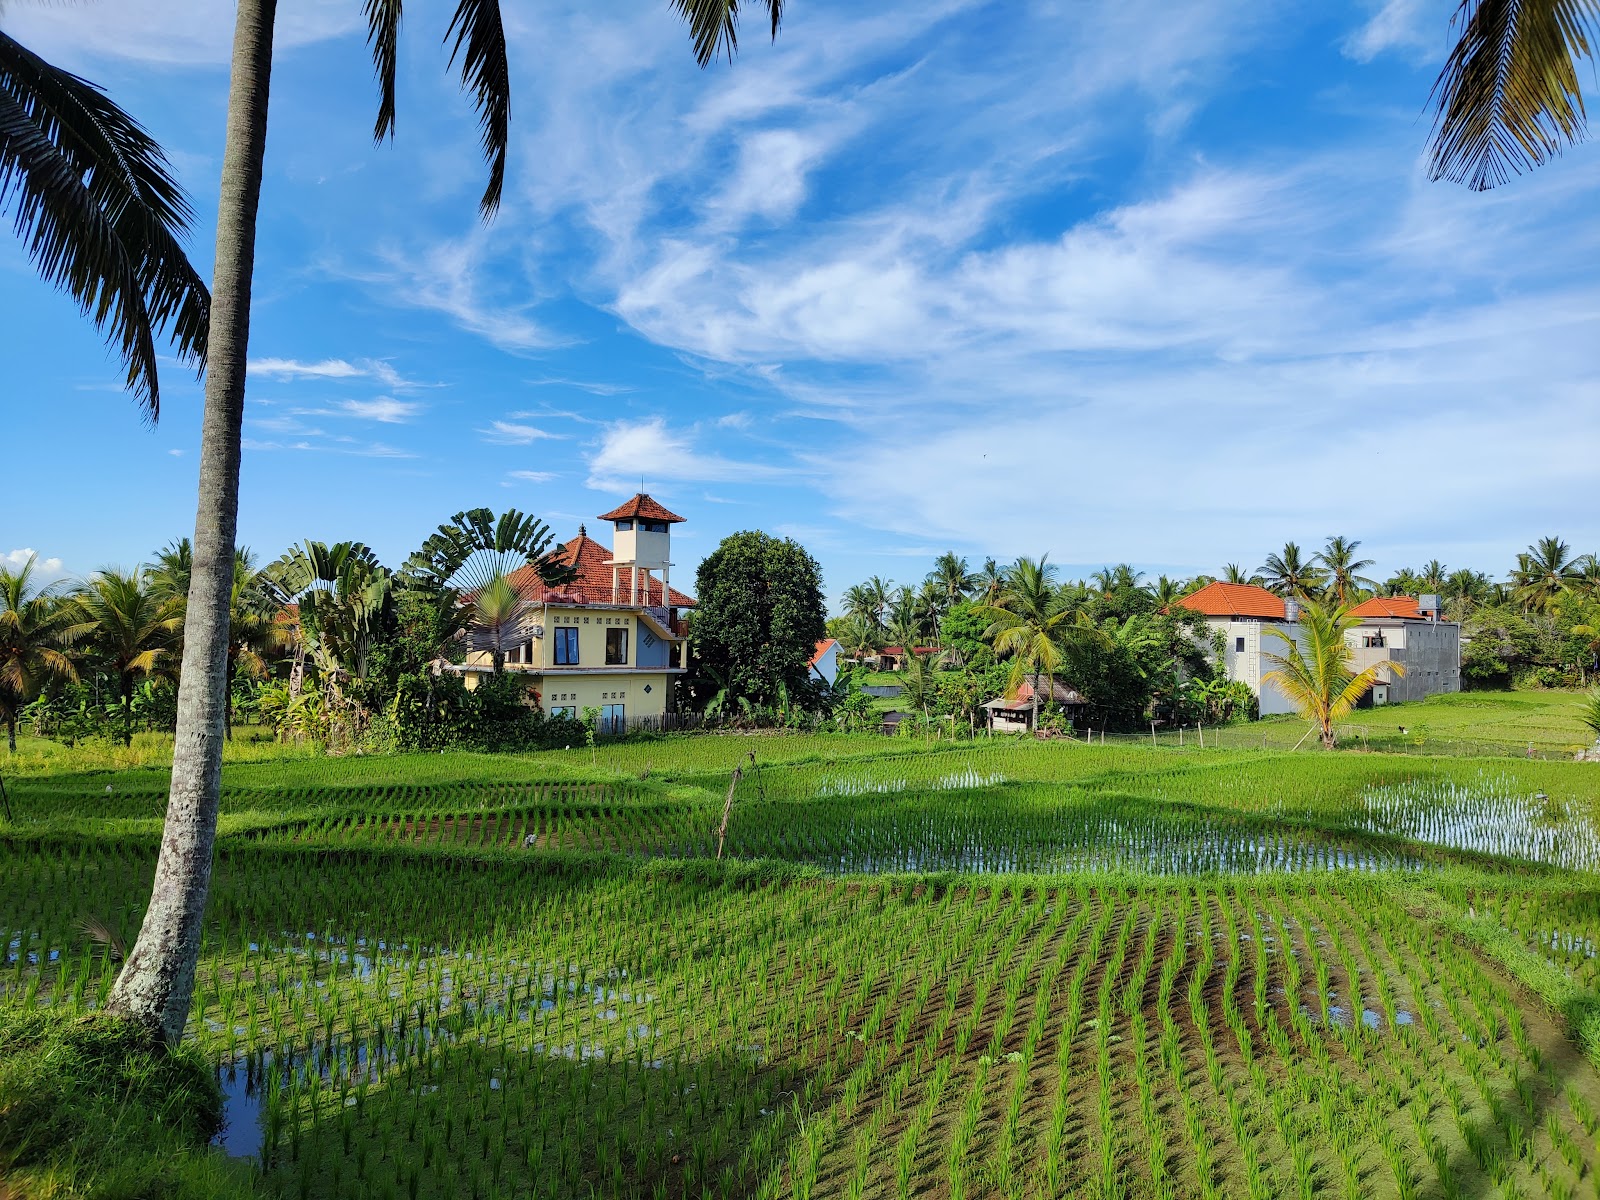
(89, 1107)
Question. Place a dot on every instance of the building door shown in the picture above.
(613, 718)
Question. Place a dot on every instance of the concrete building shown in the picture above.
(1245, 615)
(613, 638)
(1407, 630)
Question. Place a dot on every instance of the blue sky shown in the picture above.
(1117, 280)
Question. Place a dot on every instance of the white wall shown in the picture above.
(1247, 665)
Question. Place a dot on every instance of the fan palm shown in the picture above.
(32, 624)
(1508, 95)
(126, 626)
(342, 594)
(472, 557)
(1343, 569)
(253, 629)
(100, 213)
(157, 979)
(1315, 671)
(1544, 571)
(1290, 574)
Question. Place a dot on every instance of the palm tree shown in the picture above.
(32, 623)
(1432, 576)
(1234, 573)
(1344, 579)
(128, 627)
(1588, 568)
(1508, 95)
(174, 565)
(951, 578)
(1545, 570)
(1164, 591)
(157, 978)
(1315, 671)
(1027, 624)
(473, 557)
(1465, 589)
(1290, 575)
(100, 213)
(342, 594)
(990, 580)
(253, 628)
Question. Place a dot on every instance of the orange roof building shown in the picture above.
(1236, 600)
(610, 641)
(1403, 607)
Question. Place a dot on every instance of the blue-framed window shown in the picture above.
(566, 646)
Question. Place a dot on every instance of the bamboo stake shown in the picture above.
(727, 808)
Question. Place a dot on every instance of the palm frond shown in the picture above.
(1508, 96)
(714, 25)
(383, 35)
(481, 45)
(100, 213)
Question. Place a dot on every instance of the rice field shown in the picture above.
(1009, 970)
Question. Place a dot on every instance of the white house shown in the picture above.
(825, 662)
(1246, 615)
(1407, 630)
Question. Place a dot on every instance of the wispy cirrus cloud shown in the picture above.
(653, 450)
(381, 408)
(334, 368)
(513, 433)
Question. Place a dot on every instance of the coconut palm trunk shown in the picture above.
(157, 979)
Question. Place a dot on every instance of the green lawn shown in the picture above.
(920, 969)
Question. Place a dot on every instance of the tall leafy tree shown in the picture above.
(1508, 96)
(95, 203)
(1343, 570)
(991, 578)
(1027, 625)
(759, 617)
(1316, 668)
(1291, 574)
(125, 626)
(1544, 571)
(157, 979)
(951, 578)
(33, 626)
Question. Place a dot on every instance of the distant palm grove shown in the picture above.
(328, 645)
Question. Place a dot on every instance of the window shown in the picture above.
(566, 646)
(624, 526)
(564, 710)
(1238, 645)
(616, 647)
(613, 718)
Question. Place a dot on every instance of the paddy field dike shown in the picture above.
(939, 970)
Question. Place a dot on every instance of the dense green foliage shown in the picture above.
(759, 618)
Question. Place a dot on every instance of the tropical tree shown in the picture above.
(951, 578)
(1544, 571)
(1589, 713)
(1164, 591)
(1234, 573)
(991, 578)
(1432, 576)
(1316, 670)
(126, 627)
(1508, 95)
(342, 595)
(1343, 570)
(1465, 589)
(1027, 624)
(254, 632)
(471, 559)
(1290, 574)
(32, 627)
(869, 600)
(101, 215)
(174, 564)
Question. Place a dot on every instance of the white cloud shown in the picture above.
(511, 433)
(530, 476)
(382, 408)
(1414, 27)
(45, 570)
(629, 450)
(334, 368)
(175, 453)
(770, 181)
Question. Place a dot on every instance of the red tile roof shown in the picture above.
(1236, 600)
(1388, 606)
(640, 506)
(822, 648)
(593, 582)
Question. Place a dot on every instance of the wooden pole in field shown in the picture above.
(6, 800)
(727, 808)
